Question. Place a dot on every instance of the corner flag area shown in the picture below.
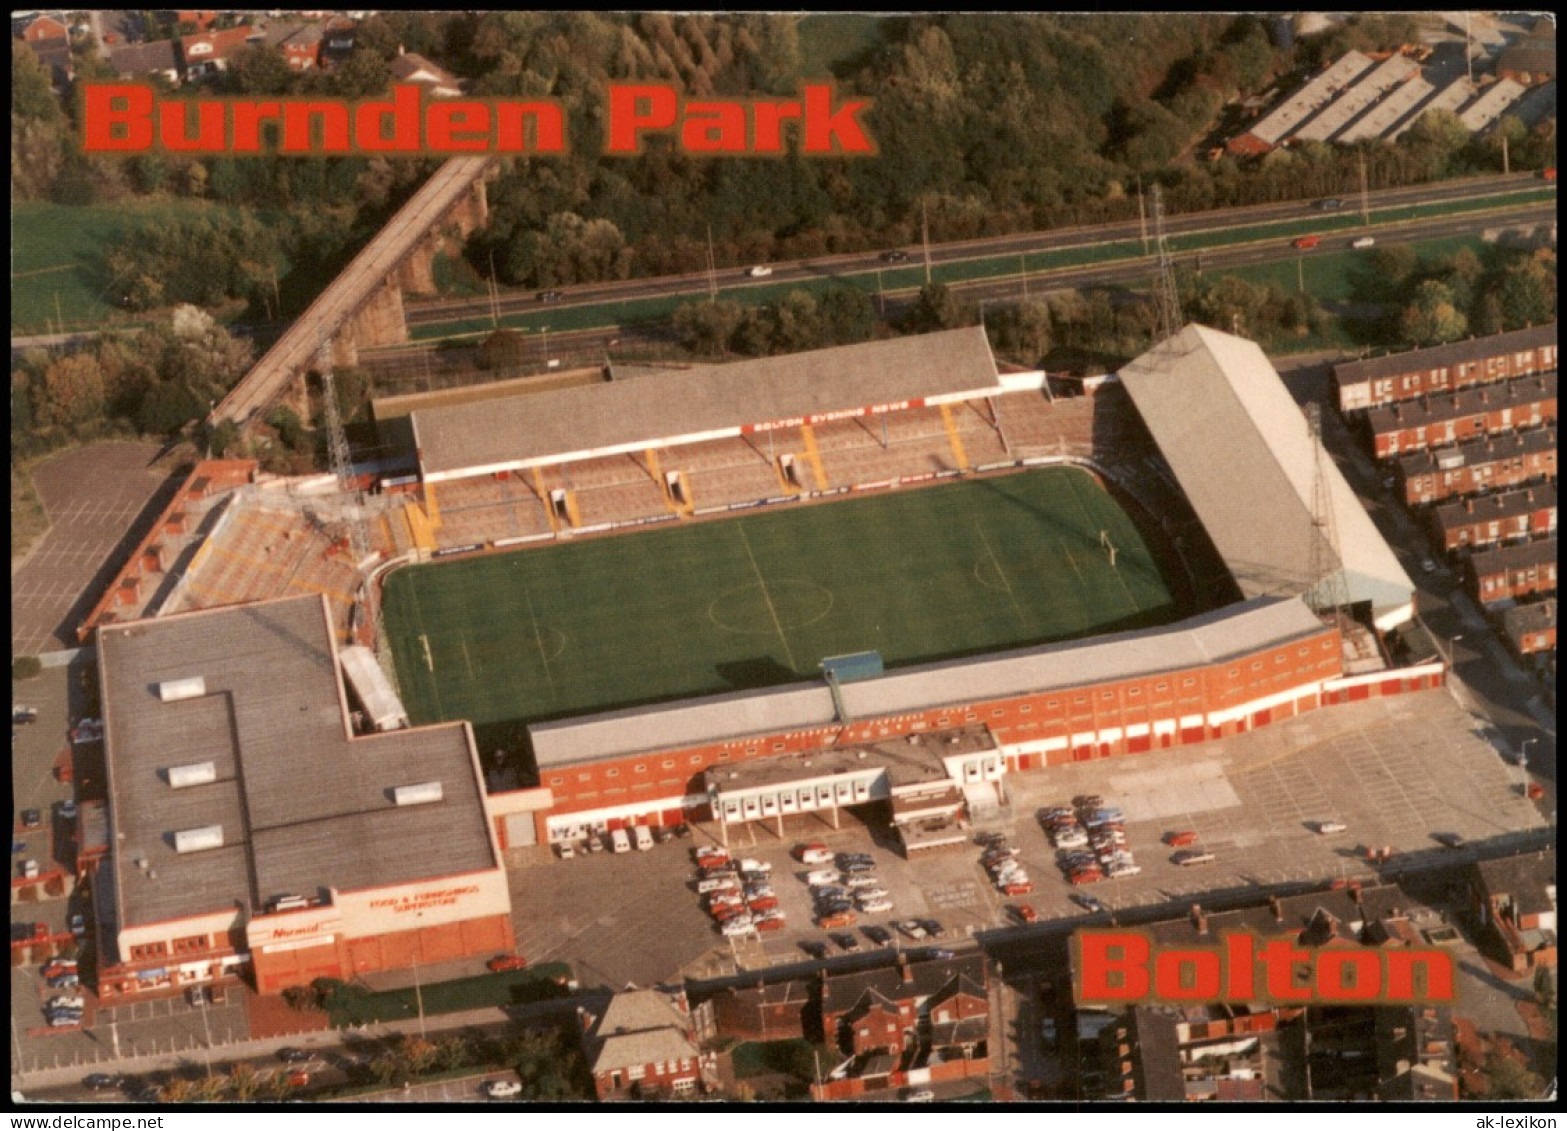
(746, 602)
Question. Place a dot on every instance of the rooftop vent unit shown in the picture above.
(171, 690)
(421, 794)
(197, 773)
(198, 840)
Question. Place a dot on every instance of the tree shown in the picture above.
(167, 408)
(73, 388)
(1432, 317)
(938, 308)
(504, 349)
(707, 327)
(1528, 293)
(243, 1081)
(848, 315)
(1507, 1076)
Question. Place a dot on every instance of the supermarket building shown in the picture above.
(250, 825)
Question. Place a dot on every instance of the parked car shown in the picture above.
(565, 850)
(298, 1078)
(29, 869)
(507, 962)
(1073, 837)
(762, 903)
(850, 867)
(716, 883)
(1450, 840)
(1085, 876)
(1189, 856)
(812, 854)
(923, 1096)
(32, 818)
(1017, 887)
(864, 894)
(933, 928)
(845, 941)
(1180, 839)
(1025, 913)
(821, 877)
(1326, 827)
(1088, 902)
(846, 857)
(738, 927)
(23, 715)
(68, 809)
(836, 919)
(879, 904)
(1121, 870)
(79, 925)
(860, 880)
(913, 928)
(644, 837)
(65, 981)
(294, 1056)
(1047, 1030)
(878, 935)
(760, 866)
(770, 922)
(814, 948)
(502, 1089)
(760, 271)
(1087, 801)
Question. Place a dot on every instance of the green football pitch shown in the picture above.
(746, 602)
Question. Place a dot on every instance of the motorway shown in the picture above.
(436, 312)
(416, 360)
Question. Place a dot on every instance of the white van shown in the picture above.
(644, 838)
(619, 841)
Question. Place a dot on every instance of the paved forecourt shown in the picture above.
(754, 601)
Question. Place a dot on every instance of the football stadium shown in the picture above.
(871, 581)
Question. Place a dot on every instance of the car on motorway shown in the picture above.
(1304, 242)
(881, 936)
(507, 962)
(1331, 204)
(290, 1055)
(549, 296)
(1190, 856)
(1324, 828)
(760, 271)
(1363, 242)
(1088, 902)
(502, 1089)
(32, 818)
(896, 255)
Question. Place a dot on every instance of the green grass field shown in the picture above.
(759, 600)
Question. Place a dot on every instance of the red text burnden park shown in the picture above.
(129, 118)
(1116, 967)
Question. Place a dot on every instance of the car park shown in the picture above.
(502, 1089)
(1190, 856)
(507, 962)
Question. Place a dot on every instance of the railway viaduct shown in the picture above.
(364, 305)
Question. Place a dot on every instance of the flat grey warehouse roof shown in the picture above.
(702, 403)
(302, 805)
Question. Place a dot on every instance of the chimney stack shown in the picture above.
(906, 974)
(1277, 908)
(1199, 919)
